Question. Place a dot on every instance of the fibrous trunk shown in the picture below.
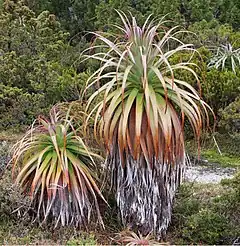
(145, 195)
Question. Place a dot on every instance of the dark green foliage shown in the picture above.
(232, 199)
(226, 11)
(18, 108)
(4, 147)
(229, 143)
(221, 88)
(209, 32)
(230, 12)
(212, 34)
(34, 71)
(170, 8)
(75, 16)
(196, 10)
(106, 14)
(205, 226)
(207, 214)
(11, 200)
(230, 117)
(79, 15)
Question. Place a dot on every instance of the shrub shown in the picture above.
(19, 108)
(87, 240)
(34, 68)
(205, 226)
(207, 214)
(231, 200)
(221, 88)
(11, 200)
(4, 154)
(230, 117)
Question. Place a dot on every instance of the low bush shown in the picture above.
(19, 108)
(83, 240)
(230, 117)
(4, 150)
(229, 143)
(13, 205)
(205, 226)
(221, 88)
(207, 214)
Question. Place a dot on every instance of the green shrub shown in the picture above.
(13, 205)
(87, 240)
(207, 214)
(230, 117)
(34, 75)
(19, 108)
(221, 88)
(4, 154)
(229, 144)
(231, 199)
(205, 226)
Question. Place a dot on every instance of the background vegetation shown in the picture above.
(41, 42)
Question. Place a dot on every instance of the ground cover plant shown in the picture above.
(207, 213)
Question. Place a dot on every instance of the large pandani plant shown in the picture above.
(141, 118)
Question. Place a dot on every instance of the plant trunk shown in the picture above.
(144, 192)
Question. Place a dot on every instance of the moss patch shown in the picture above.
(225, 160)
(229, 148)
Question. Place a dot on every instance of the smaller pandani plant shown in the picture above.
(130, 238)
(225, 57)
(55, 168)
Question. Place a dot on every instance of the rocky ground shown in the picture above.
(208, 173)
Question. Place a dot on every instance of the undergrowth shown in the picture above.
(207, 213)
(203, 213)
